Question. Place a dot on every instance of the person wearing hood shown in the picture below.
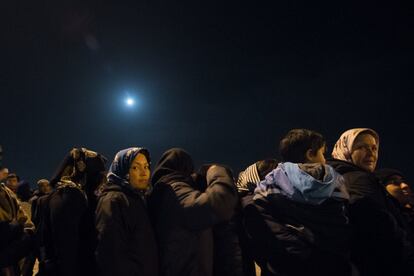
(126, 241)
(399, 188)
(379, 244)
(304, 203)
(183, 213)
(66, 231)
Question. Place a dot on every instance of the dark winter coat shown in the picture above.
(66, 229)
(126, 242)
(16, 239)
(380, 245)
(66, 232)
(303, 208)
(183, 216)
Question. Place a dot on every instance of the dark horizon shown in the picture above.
(224, 81)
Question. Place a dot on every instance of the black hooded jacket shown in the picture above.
(66, 233)
(126, 242)
(380, 245)
(183, 216)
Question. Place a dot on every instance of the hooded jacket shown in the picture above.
(66, 231)
(183, 216)
(304, 207)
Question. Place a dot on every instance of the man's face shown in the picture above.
(3, 174)
(44, 187)
(12, 183)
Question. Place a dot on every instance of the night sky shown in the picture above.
(224, 80)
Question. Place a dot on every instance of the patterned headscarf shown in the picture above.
(343, 147)
(120, 166)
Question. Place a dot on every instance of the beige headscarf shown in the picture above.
(343, 147)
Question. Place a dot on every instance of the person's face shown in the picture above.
(44, 187)
(316, 157)
(3, 174)
(400, 190)
(139, 172)
(12, 183)
(365, 152)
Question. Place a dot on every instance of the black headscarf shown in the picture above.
(81, 166)
(175, 165)
(386, 174)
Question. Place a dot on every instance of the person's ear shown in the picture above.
(309, 155)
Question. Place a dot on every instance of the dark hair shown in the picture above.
(266, 166)
(297, 142)
(13, 175)
(24, 192)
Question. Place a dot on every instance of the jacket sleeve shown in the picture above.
(111, 252)
(202, 210)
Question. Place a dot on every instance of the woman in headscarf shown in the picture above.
(379, 245)
(183, 215)
(126, 242)
(66, 231)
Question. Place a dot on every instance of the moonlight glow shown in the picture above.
(129, 101)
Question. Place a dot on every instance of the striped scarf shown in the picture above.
(248, 179)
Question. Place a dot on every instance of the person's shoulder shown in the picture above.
(115, 197)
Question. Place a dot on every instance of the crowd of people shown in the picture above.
(305, 214)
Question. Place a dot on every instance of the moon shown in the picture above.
(129, 101)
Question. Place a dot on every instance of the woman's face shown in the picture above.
(365, 152)
(139, 172)
(400, 190)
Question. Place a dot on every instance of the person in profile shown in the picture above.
(303, 202)
(126, 241)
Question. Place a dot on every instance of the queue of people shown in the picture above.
(305, 214)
